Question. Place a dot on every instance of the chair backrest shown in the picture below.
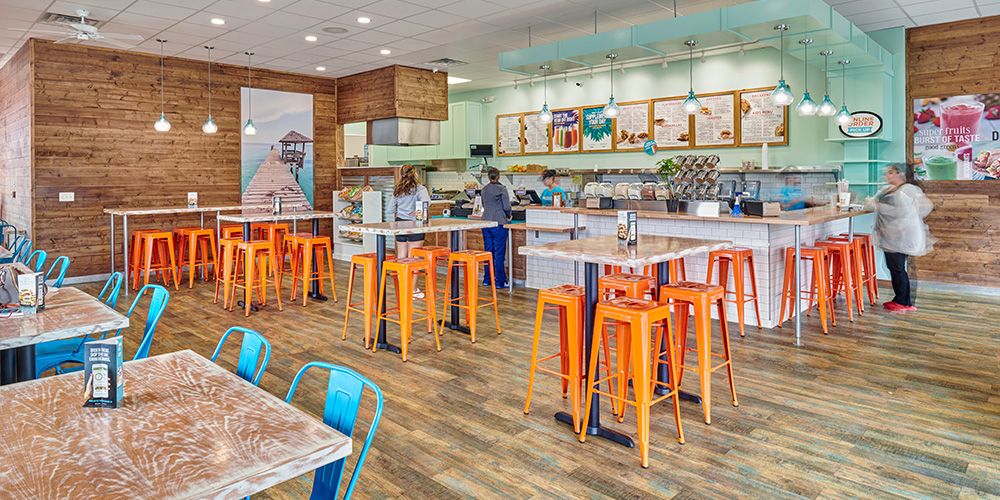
(157, 303)
(39, 257)
(63, 263)
(343, 396)
(109, 294)
(250, 351)
(22, 250)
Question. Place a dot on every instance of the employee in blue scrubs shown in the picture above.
(551, 181)
(791, 196)
(496, 208)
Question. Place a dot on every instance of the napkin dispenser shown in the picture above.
(759, 208)
(704, 208)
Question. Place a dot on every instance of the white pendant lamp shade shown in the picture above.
(691, 105)
(807, 106)
(209, 127)
(161, 124)
(249, 128)
(545, 116)
(611, 109)
(826, 108)
(843, 117)
(782, 94)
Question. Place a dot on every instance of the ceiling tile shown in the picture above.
(436, 19)
(439, 37)
(881, 15)
(205, 31)
(315, 9)
(473, 8)
(404, 28)
(70, 8)
(191, 4)
(351, 19)
(849, 9)
(143, 21)
(375, 37)
(362, 57)
(149, 8)
(946, 16)
(289, 20)
(928, 8)
(243, 9)
(891, 23)
(990, 10)
(205, 19)
(395, 8)
(350, 45)
(266, 31)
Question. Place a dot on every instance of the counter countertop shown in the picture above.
(651, 249)
(804, 217)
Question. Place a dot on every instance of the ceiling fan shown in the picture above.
(82, 31)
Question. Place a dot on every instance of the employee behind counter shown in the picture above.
(551, 182)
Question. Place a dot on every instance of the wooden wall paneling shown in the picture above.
(421, 94)
(93, 133)
(393, 91)
(945, 60)
(15, 141)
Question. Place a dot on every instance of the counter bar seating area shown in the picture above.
(479, 249)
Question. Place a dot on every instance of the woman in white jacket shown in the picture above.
(900, 230)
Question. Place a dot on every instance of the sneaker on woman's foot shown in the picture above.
(894, 307)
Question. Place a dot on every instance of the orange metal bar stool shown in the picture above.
(232, 231)
(275, 233)
(742, 260)
(846, 274)
(289, 249)
(406, 271)
(469, 261)
(254, 256)
(819, 288)
(366, 261)
(432, 254)
(636, 286)
(640, 315)
(191, 240)
(165, 243)
(869, 276)
(702, 296)
(306, 247)
(227, 273)
(137, 257)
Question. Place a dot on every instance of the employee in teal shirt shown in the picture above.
(551, 182)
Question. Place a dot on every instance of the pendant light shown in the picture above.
(249, 129)
(826, 108)
(611, 108)
(807, 106)
(843, 116)
(545, 116)
(691, 105)
(782, 94)
(162, 124)
(209, 127)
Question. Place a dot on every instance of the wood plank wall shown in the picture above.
(93, 135)
(944, 60)
(393, 91)
(15, 140)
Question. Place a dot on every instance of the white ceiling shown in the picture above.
(416, 31)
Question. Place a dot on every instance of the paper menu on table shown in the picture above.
(715, 123)
(760, 119)
(509, 134)
(632, 126)
(597, 130)
(671, 124)
(566, 131)
(536, 134)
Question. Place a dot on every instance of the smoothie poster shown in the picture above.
(957, 138)
(566, 131)
(596, 130)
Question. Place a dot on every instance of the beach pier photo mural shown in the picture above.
(278, 159)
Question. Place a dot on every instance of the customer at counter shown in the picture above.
(496, 207)
(551, 181)
(403, 206)
(900, 230)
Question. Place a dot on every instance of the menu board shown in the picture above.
(509, 135)
(566, 131)
(671, 124)
(632, 126)
(761, 120)
(715, 123)
(536, 134)
(597, 130)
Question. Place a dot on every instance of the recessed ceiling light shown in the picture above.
(385, 52)
(311, 38)
(334, 30)
(364, 20)
(455, 80)
(320, 68)
(218, 20)
(264, 1)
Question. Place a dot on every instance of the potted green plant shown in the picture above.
(667, 168)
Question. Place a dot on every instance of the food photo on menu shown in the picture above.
(957, 138)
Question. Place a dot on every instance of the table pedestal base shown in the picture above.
(598, 431)
(457, 327)
(388, 347)
(318, 296)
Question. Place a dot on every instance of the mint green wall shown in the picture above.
(894, 40)
(758, 68)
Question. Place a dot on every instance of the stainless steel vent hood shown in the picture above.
(404, 132)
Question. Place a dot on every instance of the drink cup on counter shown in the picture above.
(844, 200)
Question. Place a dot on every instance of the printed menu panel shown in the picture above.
(566, 131)
(671, 124)
(761, 120)
(536, 134)
(509, 135)
(715, 123)
(597, 130)
(632, 126)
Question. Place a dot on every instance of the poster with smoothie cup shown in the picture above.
(951, 133)
(566, 130)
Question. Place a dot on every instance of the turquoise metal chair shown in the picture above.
(54, 353)
(343, 396)
(47, 358)
(38, 256)
(250, 351)
(109, 294)
(22, 249)
(61, 275)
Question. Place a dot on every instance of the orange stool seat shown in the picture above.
(367, 263)
(406, 271)
(819, 288)
(232, 231)
(742, 260)
(255, 256)
(189, 241)
(162, 242)
(845, 268)
(701, 296)
(629, 285)
(433, 254)
(469, 262)
(308, 247)
(136, 257)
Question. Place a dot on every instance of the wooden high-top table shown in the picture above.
(593, 252)
(383, 229)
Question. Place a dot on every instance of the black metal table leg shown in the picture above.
(8, 365)
(314, 286)
(594, 422)
(381, 342)
(456, 323)
(26, 363)
(662, 372)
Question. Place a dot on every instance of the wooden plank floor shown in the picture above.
(892, 405)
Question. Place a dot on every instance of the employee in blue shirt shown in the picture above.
(496, 207)
(791, 195)
(551, 181)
